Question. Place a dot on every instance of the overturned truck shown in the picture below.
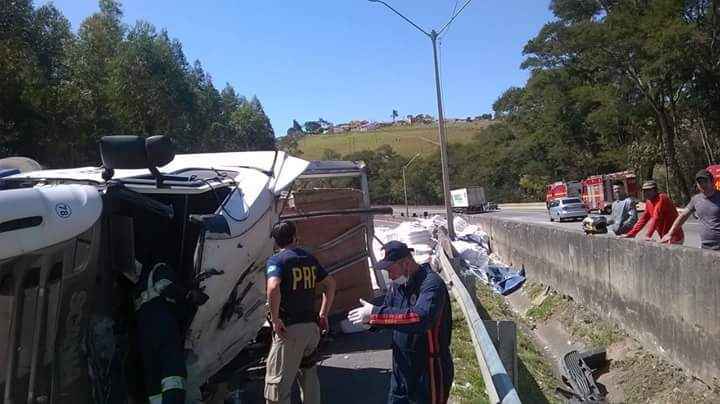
(73, 242)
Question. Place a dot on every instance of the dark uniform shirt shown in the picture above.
(299, 273)
(420, 315)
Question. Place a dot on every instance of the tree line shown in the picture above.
(614, 85)
(60, 91)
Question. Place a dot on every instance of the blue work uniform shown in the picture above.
(420, 316)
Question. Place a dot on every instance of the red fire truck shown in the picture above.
(597, 190)
(715, 171)
(561, 189)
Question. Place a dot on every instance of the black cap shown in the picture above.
(394, 251)
(704, 175)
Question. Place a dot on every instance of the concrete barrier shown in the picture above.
(668, 297)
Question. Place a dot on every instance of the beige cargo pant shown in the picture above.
(283, 365)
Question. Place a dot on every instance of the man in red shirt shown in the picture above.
(660, 212)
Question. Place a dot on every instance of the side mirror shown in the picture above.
(134, 152)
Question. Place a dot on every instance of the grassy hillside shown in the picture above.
(404, 140)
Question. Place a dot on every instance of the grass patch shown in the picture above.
(468, 386)
(405, 140)
(579, 321)
(550, 305)
(536, 382)
(598, 334)
(533, 290)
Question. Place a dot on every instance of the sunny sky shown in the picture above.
(347, 59)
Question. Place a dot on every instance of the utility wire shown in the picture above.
(454, 10)
(454, 16)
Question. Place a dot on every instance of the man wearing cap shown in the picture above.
(417, 309)
(624, 215)
(706, 206)
(292, 276)
(659, 215)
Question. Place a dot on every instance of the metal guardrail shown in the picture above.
(439, 209)
(498, 383)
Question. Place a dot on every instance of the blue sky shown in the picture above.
(346, 59)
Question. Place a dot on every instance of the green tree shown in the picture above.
(646, 47)
(329, 154)
(60, 92)
(290, 144)
(252, 127)
(312, 127)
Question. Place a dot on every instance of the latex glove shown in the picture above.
(361, 315)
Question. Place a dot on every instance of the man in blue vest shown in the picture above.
(292, 276)
(417, 309)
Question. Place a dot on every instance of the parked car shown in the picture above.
(566, 208)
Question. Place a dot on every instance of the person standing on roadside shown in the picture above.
(706, 206)
(417, 309)
(624, 215)
(659, 215)
(292, 276)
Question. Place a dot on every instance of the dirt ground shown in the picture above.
(633, 373)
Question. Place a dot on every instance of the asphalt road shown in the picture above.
(354, 369)
(536, 214)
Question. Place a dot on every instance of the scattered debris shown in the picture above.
(579, 377)
(595, 225)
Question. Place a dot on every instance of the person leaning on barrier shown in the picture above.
(660, 212)
(706, 206)
(417, 309)
(624, 215)
(292, 275)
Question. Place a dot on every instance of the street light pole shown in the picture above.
(443, 144)
(407, 210)
(433, 35)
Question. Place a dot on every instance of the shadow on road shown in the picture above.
(352, 369)
(354, 386)
(528, 388)
(360, 342)
(338, 385)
